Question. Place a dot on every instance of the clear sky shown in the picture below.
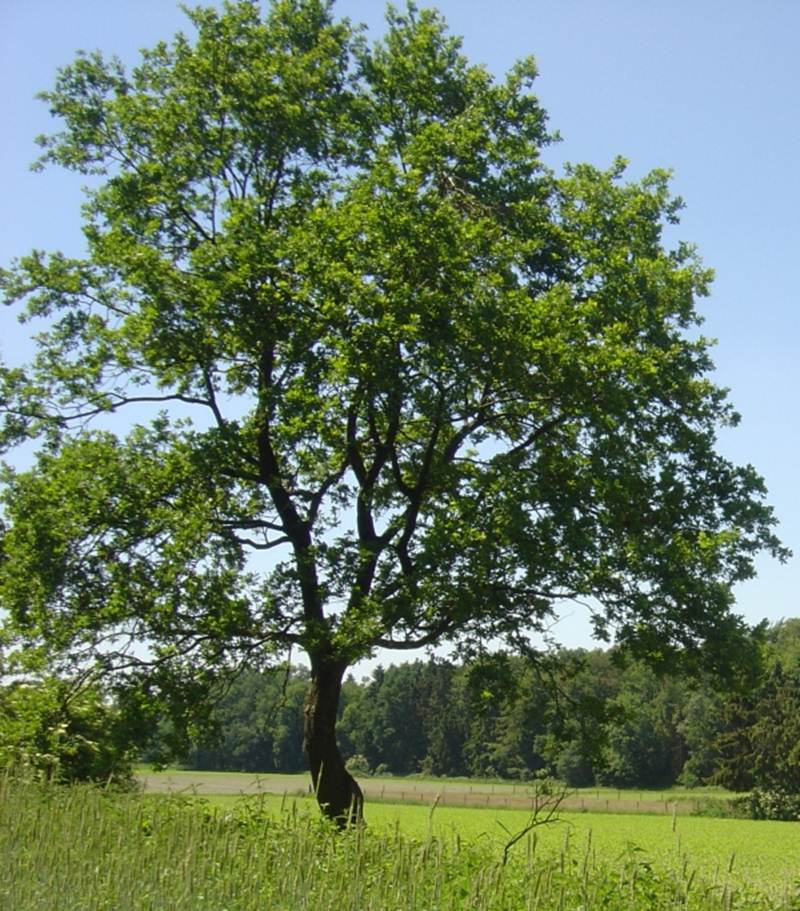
(708, 88)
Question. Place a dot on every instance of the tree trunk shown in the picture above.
(337, 792)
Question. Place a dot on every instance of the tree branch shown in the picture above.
(297, 530)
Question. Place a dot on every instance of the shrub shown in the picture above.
(63, 732)
(769, 804)
(358, 765)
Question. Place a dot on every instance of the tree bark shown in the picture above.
(337, 792)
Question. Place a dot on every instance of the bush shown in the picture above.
(68, 734)
(358, 765)
(769, 804)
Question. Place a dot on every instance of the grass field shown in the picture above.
(85, 849)
(761, 855)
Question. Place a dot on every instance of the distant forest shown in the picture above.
(585, 717)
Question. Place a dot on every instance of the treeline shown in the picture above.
(581, 716)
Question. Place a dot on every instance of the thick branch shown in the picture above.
(297, 530)
(212, 399)
(372, 544)
(430, 638)
(261, 545)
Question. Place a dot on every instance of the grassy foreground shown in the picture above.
(83, 849)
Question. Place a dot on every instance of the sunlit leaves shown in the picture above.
(415, 384)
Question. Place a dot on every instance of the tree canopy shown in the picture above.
(392, 381)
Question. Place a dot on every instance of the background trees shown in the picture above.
(591, 720)
(260, 726)
(644, 744)
(442, 387)
(760, 744)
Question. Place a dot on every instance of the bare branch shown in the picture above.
(544, 812)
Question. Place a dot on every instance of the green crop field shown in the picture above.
(766, 854)
(716, 851)
(762, 854)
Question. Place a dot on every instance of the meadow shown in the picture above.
(659, 828)
(88, 849)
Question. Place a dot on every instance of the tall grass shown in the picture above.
(85, 849)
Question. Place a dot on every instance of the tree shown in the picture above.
(259, 723)
(783, 643)
(644, 747)
(409, 385)
(583, 705)
(446, 719)
(408, 718)
(397, 732)
(760, 744)
(700, 727)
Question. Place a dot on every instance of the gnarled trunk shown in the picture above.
(338, 793)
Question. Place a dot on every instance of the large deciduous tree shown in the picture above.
(408, 384)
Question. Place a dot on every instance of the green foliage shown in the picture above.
(580, 706)
(760, 744)
(581, 717)
(443, 387)
(408, 718)
(784, 643)
(644, 746)
(701, 724)
(257, 725)
(358, 765)
(776, 804)
(63, 731)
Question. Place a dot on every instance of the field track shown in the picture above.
(409, 791)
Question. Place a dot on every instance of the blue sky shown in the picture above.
(708, 88)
